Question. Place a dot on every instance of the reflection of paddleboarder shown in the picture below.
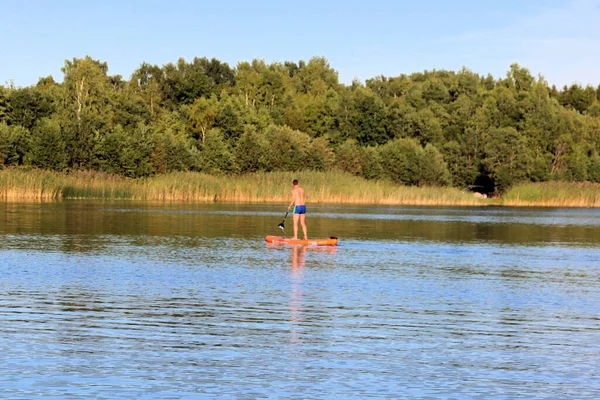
(299, 209)
(298, 260)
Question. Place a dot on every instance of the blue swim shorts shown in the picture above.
(300, 210)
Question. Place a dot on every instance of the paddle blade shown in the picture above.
(280, 226)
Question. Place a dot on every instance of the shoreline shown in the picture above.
(327, 188)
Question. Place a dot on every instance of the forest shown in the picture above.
(431, 128)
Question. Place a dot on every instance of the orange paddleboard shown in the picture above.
(332, 241)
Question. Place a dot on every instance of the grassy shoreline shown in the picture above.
(553, 194)
(331, 187)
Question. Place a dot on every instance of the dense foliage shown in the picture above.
(429, 128)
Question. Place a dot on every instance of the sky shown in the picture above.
(559, 39)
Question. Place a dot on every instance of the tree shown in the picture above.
(48, 145)
(400, 161)
(288, 149)
(320, 115)
(228, 120)
(519, 78)
(190, 81)
(433, 170)
(462, 166)
(3, 104)
(85, 110)
(172, 150)
(28, 106)
(146, 81)
(320, 155)
(251, 151)
(316, 77)
(349, 157)
(248, 80)
(202, 115)
(507, 157)
(215, 154)
(368, 119)
(14, 144)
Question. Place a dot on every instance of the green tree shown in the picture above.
(463, 168)
(14, 144)
(288, 149)
(372, 162)
(4, 93)
(349, 157)
(146, 81)
(400, 161)
(215, 154)
(48, 145)
(507, 157)
(172, 151)
(433, 170)
(28, 106)
(228, 120)
(320, 155)
(202, 115)
(248, 80)
(316, 77)
(368, 119)
(251, 151)
(320, 115)
(136, 151)
(86, 110)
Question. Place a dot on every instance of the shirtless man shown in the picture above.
(299, 209)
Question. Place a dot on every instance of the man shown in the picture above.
(299, 209)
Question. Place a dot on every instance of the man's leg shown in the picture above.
(296, 218)
(303, 223)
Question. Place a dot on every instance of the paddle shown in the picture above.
(281, 226)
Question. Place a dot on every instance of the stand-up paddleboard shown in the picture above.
(332, 241)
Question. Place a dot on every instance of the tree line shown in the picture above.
(428, 128)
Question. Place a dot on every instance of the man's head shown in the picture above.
(295, 182)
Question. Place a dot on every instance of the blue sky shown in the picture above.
(558, 38)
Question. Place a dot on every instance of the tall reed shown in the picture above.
(330, 187)
(554, 194)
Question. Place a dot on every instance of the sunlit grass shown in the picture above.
(554, 194)
(321, 187)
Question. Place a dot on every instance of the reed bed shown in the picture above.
(273, 187)
(554, 194)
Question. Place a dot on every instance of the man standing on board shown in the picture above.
(299, 209)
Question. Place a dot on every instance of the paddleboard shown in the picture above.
(332, 241)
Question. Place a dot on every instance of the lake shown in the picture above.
(153, 300)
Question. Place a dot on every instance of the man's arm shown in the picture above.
(293, 200)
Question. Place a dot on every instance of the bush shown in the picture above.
(250, 151)
(288, 149)
(320, 155)
(433, 170)
(400, 161)
(215, 155)
(371, 163)
(15, 143)
(48, 146)
(349, 157)
(171, 153)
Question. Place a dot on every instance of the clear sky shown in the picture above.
(558, 38)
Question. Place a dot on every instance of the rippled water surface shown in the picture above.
(147, 300)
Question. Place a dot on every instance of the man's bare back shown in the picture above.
(299, 209)
(298, 196)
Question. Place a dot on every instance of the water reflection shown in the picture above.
(298, 262)
(81, 226)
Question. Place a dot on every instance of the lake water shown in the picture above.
(152, 300)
